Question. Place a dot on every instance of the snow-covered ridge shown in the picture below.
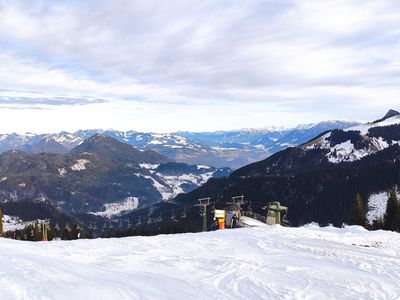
(346, 151)
(363, 128)
(169, 186)
(165, 190)
(67, 138)
(269, 262)
(148, 166)
(233, 148)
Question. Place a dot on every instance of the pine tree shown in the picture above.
(377, 224)
(358, 217)
(37, 232)
(1, 222)
(391, 216)
(66, 235)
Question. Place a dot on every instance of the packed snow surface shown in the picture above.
(270, 262)
(250, 222)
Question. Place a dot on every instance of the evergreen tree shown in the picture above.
(76, 232)
(37, 232)
(66, 235)
(30, 232)
(391, 216)
(358, 217)
(377, 224)
(56, 231)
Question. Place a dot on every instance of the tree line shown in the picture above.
(44, 230)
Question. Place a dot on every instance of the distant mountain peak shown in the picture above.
(99, 137)
(109, 147)
(391, 113)
(100, 143)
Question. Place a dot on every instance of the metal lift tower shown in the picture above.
(203, 203)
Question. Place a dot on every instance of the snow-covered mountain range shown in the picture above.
(319, 179)
(101, 177)
(221, 148)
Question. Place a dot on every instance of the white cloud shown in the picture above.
(288, 59)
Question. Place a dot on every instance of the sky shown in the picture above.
(194, 65)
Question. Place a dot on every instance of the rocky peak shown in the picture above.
(391, 113)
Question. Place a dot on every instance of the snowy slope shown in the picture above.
(363, 128)
(347, 150)
(250, 222)
(118, 208)
(254, 263)
(171, 185)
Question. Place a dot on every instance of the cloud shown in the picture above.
(312, 57)
(29, 102)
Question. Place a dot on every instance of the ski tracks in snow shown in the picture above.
(270, 262)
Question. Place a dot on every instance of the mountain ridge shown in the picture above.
(98, 177)
(315, 187)
(220, 148)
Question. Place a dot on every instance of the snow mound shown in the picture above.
(271, 262)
